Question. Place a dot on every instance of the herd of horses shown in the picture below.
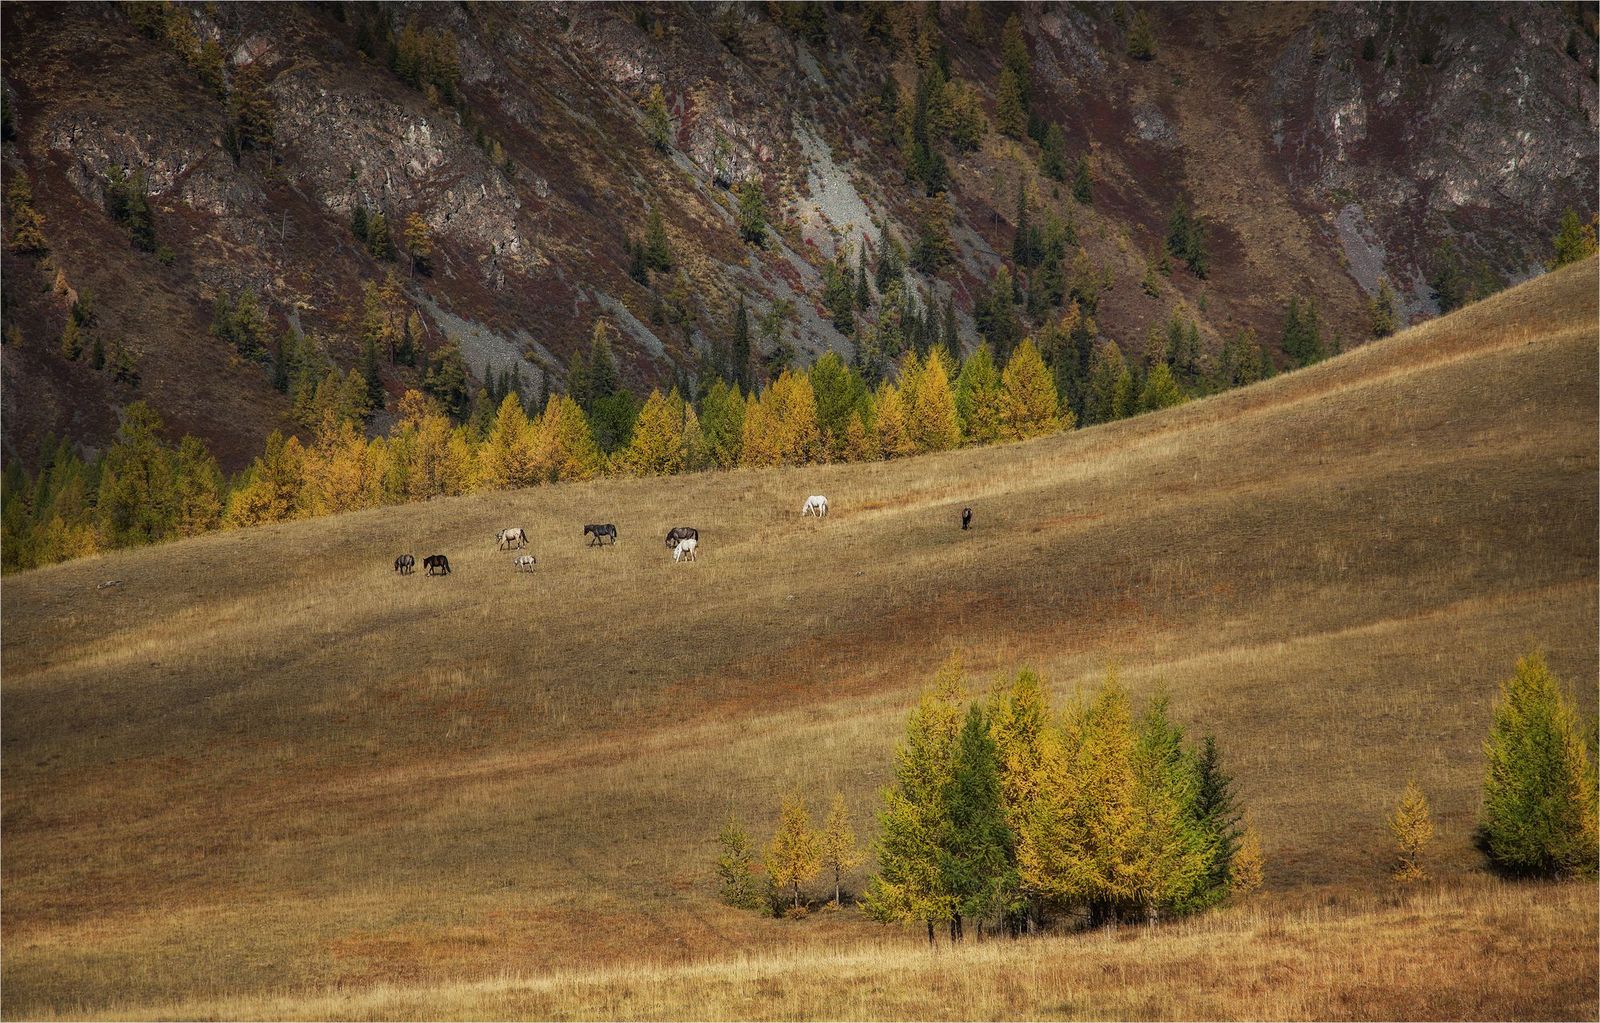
(683, 541)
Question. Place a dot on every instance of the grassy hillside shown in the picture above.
(263, 765)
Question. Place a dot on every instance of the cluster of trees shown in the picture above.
(80, 336)
(797, 854)
(1541, 803)
(141, 490)
(371, 228)
(1574, 240)
(1004, 810)
(171, 24)
(127, 200)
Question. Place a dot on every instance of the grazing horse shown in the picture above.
(816, 505)
(600, 532)
(506, 539)
(966, 518)
(685, 549)
(405, 563)
(436, 564)
(524, 563)
(678, 533)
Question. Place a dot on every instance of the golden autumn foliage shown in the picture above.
(1029, 407)
(1411, 824)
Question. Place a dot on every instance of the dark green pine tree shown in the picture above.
(739, 349)
(949, 338)
(604, 380)
(657, 253)
(978, 862)
(1025, 243)
(1216, 818)
(376, 396)
(1302, 332)
(863, 290)
(1082, 186)
(1053, 154)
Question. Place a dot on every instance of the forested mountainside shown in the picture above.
(210, 206)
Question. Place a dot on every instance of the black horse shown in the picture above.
(682, 533)
(405, 563)
(600, 532)
(436, 564)
(966, 518)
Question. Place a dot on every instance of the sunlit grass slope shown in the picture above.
(264, 768)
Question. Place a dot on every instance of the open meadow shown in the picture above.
(265, 776)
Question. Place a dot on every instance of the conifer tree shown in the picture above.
(1574, 240)
(253, 111)
(1411, 824)
(914, 825)
(892, 437)
(657, 447)
(740, 348)
(1011, 114)
(564, 448)
(1382, 309)
(1539, 811)
(1213, 815)
(658, 125)
(1029, 407)
(1160, 390)
(858, 444)
(371, 378)
(736, 867)
(71, 340)
(863, 290)
(931, 418)
(752, 212)
(979, 864)
(838, 846)
(1082, 184)
(1302, 332)
(1249, 866)
(1053, 153)
(1109, 385)
(794, 856)
(1179, 846)
(979, 398)
(657, 251)
(1141, 38)
(446, 380)
(419, 244)
(839, 391)
(722, 415)
(507, 458)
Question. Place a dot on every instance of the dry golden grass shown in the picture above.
(264, 767)
(1526, 949)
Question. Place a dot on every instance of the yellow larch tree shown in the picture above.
(657, 446)
(1411, 824)
(931, 414)
(565, 447)
(838, 844)
(890, 434)
(794, 855)
(506, 458)
(1030, 405)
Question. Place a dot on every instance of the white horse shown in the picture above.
(524, 563)
(685, 550)
(816, 505)
(511, 537)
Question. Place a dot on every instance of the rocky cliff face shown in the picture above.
(1324, 148)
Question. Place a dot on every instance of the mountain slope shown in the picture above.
(1316, 168)
(264, 762)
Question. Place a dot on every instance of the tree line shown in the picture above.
(1004, 812)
